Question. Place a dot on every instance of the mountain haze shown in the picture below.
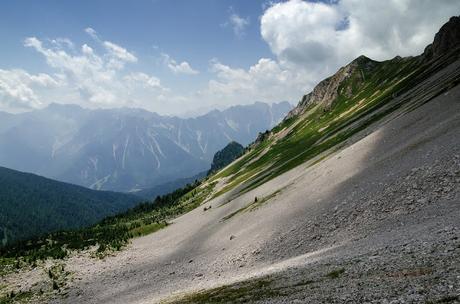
(125, 149)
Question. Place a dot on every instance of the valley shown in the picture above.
(353, 197)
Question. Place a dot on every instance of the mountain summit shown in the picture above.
(350, 79)
(328, 90)
(446, 40)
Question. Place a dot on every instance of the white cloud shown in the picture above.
(267, 80)
(63, 43)
(144, 80)
(178, 68)
(238, 24)
(85, 77)
(321, 37)
(119, 53)
(90, 31)
(17, 89)
(311, 40)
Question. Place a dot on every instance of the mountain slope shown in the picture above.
(162, 189)
(358, 203)
(357, 96)
(125, 149)
(373, 222)
(32, 205)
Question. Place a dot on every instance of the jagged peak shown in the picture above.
(445, 40)
(362, 60)
(327, 91)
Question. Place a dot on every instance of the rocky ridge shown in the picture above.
(446, 40)
(327, 91)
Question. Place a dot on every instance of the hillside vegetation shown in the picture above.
(225, 156)
(32, 205)
(357, 96)
(110, 234)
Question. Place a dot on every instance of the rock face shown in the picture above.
(447, 39)
(328, 90)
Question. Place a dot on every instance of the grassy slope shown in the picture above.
(318, 130)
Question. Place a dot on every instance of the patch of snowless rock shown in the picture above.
(377, 222)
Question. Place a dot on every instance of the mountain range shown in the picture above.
(125, 149)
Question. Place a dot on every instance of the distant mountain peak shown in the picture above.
(125, 148)
(225, 156)
(61, 106)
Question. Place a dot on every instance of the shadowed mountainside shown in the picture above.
(32, 205)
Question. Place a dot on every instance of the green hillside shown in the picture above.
(225, 156)
(32, 205)
(366, 92)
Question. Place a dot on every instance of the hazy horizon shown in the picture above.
(165, 60)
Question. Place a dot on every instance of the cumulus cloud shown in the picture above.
(178, 68)
(17, 88)
(144, 80)
(266, 80)
(92, 32)
(308, 40)
(321, 36)
(80, 76)
(311, 40)
(238, 24)
(63, 43)
(119, 55)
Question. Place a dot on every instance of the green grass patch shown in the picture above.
(253, 205)
(147, 229)
(20, 297)
(246, 292)
(335, 273)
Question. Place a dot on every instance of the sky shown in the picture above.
(185, 57)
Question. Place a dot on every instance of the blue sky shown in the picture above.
(185, 56)
(195, 31)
